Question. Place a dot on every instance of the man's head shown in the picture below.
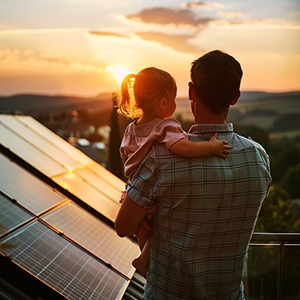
(216, 77)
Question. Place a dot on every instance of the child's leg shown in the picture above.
(141, 263)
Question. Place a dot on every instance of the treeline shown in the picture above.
(286, 122)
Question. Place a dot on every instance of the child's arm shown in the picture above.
(214, 147)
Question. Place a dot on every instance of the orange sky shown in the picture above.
(74, 47)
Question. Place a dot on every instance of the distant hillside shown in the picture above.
(32, 104)
(278, 113)
(267, 110)
(272, 111)
(279, 102)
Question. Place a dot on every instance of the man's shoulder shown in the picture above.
(247, 142)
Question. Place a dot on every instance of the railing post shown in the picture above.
(280, 271)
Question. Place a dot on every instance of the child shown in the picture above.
(150, 96)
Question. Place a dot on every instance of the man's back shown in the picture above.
(206, 213)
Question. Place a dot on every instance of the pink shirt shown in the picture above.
(137, 140)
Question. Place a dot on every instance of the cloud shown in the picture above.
(31, 57)
(168, 16)
(176, 42)
(106, 33)
(200, 4)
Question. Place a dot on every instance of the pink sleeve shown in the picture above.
(169, 132)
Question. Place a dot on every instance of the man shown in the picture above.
(206, 207)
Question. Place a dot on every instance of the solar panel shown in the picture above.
(26, 189)
(97, 199)
(62, 162)
(45, 145)
(62, 265)
(54, 139)
(29, 152)
(95, 236)
(89, 261)
(11, 215)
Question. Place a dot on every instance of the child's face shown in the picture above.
(171, 104)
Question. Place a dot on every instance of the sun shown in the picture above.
(118, 72)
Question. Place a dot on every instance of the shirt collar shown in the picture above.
(206, 128)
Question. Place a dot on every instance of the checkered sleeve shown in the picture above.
(142, 186)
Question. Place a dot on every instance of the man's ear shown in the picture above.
(234, 101)
(192, 92)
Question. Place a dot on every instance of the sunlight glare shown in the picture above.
(118, 72)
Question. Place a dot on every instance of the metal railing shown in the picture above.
(280, 240)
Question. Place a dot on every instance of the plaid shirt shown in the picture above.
(207, 209)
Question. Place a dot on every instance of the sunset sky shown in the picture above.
(79, 47)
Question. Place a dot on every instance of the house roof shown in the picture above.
(58, 208)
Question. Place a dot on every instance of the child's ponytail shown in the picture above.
(126, 105)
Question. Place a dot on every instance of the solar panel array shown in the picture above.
(67, 268)
(47, 233)
(62, 162)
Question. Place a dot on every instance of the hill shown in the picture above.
(32, 104)
(271, 111)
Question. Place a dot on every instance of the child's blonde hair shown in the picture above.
(143, 91)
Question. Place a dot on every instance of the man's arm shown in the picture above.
(129, 218)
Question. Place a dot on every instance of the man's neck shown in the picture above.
(207, 117)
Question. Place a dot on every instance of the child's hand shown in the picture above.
(122, 198)
(220, 147)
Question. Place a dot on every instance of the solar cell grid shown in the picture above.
(11, 215)
(25, 188)
(95, 236)
(62, 265)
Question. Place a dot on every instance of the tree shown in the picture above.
(283, 159)
(277, 212)
(115, 162)
(256, 133)
(291, 181)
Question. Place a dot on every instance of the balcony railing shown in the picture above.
(268, 260)
(272, 268)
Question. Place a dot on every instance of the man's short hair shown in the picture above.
(216, 77)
